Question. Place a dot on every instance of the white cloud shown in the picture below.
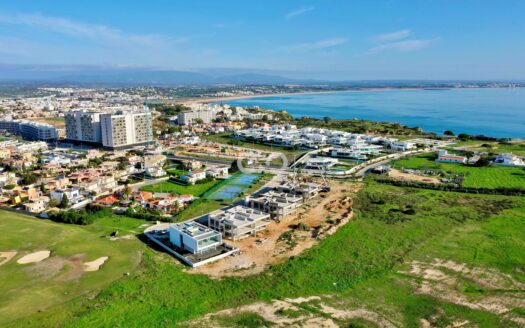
(404, 46)
(76, 29)
(392, 36)
(318, 45)
(298, 12)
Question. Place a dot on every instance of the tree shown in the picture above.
(449, 133)
(327, 119)
(463, 136)
(64, 202)
(127, 191)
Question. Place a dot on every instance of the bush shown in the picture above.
(83, 217)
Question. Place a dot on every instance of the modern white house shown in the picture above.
(194, 237)
(319, 163)
(193, 176)
(73, 195)
(446, 157)
(402, 145)
(509, 160)
(218, 172)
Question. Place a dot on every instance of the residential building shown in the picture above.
(124, 129)
(194, 116)
(445, 157)
(305, 190)
(194, 237)
(83, 126)
(218, 172)
(72, 194)
(509, 160)
(30, 130)
(238, 222)
(193, 176)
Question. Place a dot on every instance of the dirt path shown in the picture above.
(7, 256)
(321, 216)
(396, 174)
(291, 313)
(34, 257)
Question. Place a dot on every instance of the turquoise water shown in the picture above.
(497, 112)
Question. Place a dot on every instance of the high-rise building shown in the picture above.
(83, 126)
(113, 130)
(122, 129)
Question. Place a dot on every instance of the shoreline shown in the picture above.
(226, 98)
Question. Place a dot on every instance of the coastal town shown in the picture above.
(67, 157)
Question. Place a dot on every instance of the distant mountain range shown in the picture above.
(126, 76)
(136, 76)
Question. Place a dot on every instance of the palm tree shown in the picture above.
(127, 191)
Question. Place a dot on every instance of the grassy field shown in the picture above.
(26, 289)
(360, 266)
(476, 177)
(514, 147)
(166, 186)
(224, 138)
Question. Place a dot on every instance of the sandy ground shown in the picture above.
(95, 265)
(7, 256)
(274, 312)
(219, 99)
(445, 280)
(258, 252)
(34, 257)
(396, 174)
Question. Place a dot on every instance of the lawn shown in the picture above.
(196, 190)
(358, 266)
(475, 177)
(27, 289)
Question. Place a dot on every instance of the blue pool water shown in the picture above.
(497, 112)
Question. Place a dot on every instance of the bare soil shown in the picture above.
(397, 174)
(6, 256)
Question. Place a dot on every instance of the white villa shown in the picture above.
(509, 160)
(194, 237)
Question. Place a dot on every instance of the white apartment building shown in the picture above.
(83, 126)
(30, 130)
(192, 116)
(123, 129)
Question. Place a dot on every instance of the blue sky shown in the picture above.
(369, 39)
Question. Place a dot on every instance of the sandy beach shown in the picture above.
(220, 99)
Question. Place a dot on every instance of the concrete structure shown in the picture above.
(305, 190)
(194, 237)
(72, 194)
(238, 222)
(83, 126)
(193, 116)
(123, 129)
(30, 130)
(277, 204)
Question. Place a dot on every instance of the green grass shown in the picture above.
(475, 177)
(516, 148)
(29, 288)
(357, 265)
(196, 190)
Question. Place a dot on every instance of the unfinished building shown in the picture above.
(238, 222)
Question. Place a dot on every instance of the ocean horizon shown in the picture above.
(495, 112)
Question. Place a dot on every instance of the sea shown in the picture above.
(495, 112)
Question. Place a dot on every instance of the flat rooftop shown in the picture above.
(194, 229)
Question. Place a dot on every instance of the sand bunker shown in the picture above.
(34, 257)
(6, 256)
(95, 265)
